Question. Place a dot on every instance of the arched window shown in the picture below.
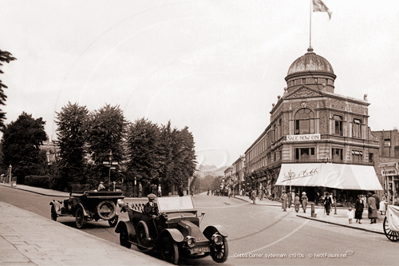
(304, 122)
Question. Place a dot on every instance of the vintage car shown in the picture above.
(91, 205)
(173, 228)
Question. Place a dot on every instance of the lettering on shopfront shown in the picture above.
(389, 172)
(301, 174)
(308, 137)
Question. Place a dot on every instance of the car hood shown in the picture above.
(187, 228)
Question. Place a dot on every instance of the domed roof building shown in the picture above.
(317, 140)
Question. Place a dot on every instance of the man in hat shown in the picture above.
(101, 186)
(151, 207)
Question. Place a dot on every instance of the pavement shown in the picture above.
(28, 239)
(337, 216)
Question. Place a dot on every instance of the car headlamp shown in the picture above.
(120, 202)
(217, 239)
(190, 241)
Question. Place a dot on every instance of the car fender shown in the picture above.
(83, 208)
(176, 235)
(129, 227)
(211, 229)
(57, 205)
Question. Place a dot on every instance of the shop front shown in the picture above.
(391, 179)
(344, 181)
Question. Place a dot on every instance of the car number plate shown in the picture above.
(201, 249)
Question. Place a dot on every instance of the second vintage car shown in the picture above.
(91, 205)
(171, 225)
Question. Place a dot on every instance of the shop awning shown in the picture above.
(342, 176)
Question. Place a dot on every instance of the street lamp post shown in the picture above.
(290, 175)
(9, 170)
(111, 164)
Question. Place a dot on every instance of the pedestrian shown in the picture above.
(284, 198)
(327, 203)
(253, 196)
(297, 202)
(350, 214)
(359, 207)
(383, 204)
(140, 189)
(377, 201)
(304, 201)
(289, 199)
(317, 198)
(159, 190)
(372, 209)
(101, 186)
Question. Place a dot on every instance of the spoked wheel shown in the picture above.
(142, 235)
(391, 235)
(53, 214)
(113, 221)
(80, 218)
(124, 238)
(170, 250)
(220, 252)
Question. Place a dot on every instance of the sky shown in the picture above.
(215, 66)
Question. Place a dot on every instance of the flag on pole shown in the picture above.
(319, 6)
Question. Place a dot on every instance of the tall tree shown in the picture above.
(71, 134)
(179, 161)
(4, 57)
(21, 143)
(107, 132)
(143, 144)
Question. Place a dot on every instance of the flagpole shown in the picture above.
(310, 24)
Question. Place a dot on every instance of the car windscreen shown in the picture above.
(166, 204)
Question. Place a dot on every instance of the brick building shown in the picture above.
(313, 132)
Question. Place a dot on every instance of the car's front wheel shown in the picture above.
(170, 250)
(113, 221)
(220, 252)
(80, 218)
(124, 238)
(53, 214)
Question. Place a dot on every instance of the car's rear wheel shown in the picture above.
(53, 214)
(170, 250)
(142, 235)
(220, 252)
(80, 218)
(124, 238)
(113, 221)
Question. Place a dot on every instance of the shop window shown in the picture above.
(338, 125)
(304, 122)
(371, 158)
(337, 154)
(356, 128)
(305, 154)
(357, 156)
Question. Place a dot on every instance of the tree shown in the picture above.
(178, 154)
(71, 133)
(143, 148)
(4, 57)
(21, 143)
(107, 132)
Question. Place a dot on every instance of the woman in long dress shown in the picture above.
(297, 202)
(359, 207)
(304, 201)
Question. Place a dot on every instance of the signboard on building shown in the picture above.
(389, 171)
(307, 137)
